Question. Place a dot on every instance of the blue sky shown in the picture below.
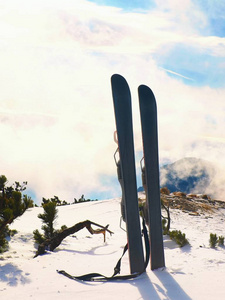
(127, 6)
(202, 66)
(56, 112)
(201, 69)
(214, 10)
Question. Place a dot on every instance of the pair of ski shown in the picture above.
(127, 178)
(127, 173)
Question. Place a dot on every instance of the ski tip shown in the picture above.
(144, 89)
(117, 78)
(120, 86)
(145, 92)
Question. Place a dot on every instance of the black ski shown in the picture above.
(148, 112)
(127, 172)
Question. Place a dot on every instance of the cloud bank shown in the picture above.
(56, 112)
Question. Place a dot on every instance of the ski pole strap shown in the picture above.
(100, 277)
(114, 277)
(118, 265)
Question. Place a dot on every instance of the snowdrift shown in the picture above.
(195, 271)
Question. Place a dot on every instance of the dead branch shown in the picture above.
(51, 244)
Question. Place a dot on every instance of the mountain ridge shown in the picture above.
(187, 175)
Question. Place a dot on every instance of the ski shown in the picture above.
(150, 174)
(127, 172)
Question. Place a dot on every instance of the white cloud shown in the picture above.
(56, 112)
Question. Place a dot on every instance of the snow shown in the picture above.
(192, 272)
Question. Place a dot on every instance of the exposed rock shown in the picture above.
(194, 204)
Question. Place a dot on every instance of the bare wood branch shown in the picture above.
(51, 244)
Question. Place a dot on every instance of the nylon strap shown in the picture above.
(114, 277)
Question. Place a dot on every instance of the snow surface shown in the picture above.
(192, 272)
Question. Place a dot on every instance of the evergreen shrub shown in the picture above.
(221, 241)
(178, 237)
(48, 218)
(213, 240)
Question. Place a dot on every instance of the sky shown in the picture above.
(56, 110)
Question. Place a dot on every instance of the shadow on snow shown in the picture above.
(12, 275)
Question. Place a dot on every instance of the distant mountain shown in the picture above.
(188, 175)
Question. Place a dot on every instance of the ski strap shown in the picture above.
(114, 277)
